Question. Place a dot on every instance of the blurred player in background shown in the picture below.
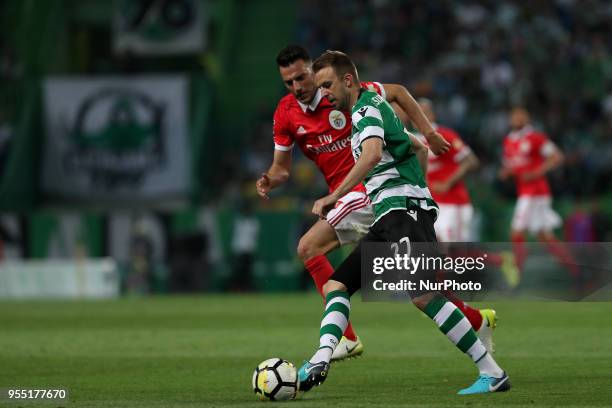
(445, 178)
(323, 134)
(445, 174)
(528, 155)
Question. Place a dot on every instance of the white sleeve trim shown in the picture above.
(371, 131)
(370, 111)
(283, 148)
(462, 154)
(548, 148)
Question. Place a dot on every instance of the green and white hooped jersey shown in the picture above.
(397, 181)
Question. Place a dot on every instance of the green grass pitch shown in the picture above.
(200, 352)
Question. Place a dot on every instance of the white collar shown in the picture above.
(517, 134)
(313, 105)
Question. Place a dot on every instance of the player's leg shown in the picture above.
(334, 321)
(346, 223)
(485, 321)
(444, 225)
(547, 221)
(560, 251)
(520, 222)
(351, 218)
(319, 240)
(449, 229)
(448, 317)
(345, 281)
(453, 324)
(453, 225)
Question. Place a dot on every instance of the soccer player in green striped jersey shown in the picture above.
(404, 212)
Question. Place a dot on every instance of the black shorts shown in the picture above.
(416, 224)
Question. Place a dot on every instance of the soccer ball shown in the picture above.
(275, 379)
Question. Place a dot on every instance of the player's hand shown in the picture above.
(531, 175)
(440, 186)
(263, 186)
(322, 206)
(504, 173)
(437, 143)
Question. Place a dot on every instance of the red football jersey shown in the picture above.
(440, 168)
(526, 150)
(322, 132)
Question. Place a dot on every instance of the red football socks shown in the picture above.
(520, 250)
(559, 250)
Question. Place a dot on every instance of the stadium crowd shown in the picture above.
(477, 59)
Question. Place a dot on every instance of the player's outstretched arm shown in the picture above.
(277, 174)
(400, 95)
(371, 153)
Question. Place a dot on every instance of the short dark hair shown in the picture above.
(339, 61)
(290, 54)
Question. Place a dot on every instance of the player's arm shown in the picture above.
(277, 174)
(554, 158)
(400, 95)
(403, 116)
(468, 163)
(420, 150)
(371, 153)
(504, 173)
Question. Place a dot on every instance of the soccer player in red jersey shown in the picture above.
(528, 155)
(323, 134)
(445, 174)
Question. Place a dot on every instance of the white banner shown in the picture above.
(87, 278)
(159, 27)
(116, 140)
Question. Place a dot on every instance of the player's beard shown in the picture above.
(300, 97)
(305, 97)
(339, 101)
(344, 100)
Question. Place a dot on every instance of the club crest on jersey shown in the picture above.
(337, 120)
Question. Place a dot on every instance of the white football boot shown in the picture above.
(347, 349)
(485, 333)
